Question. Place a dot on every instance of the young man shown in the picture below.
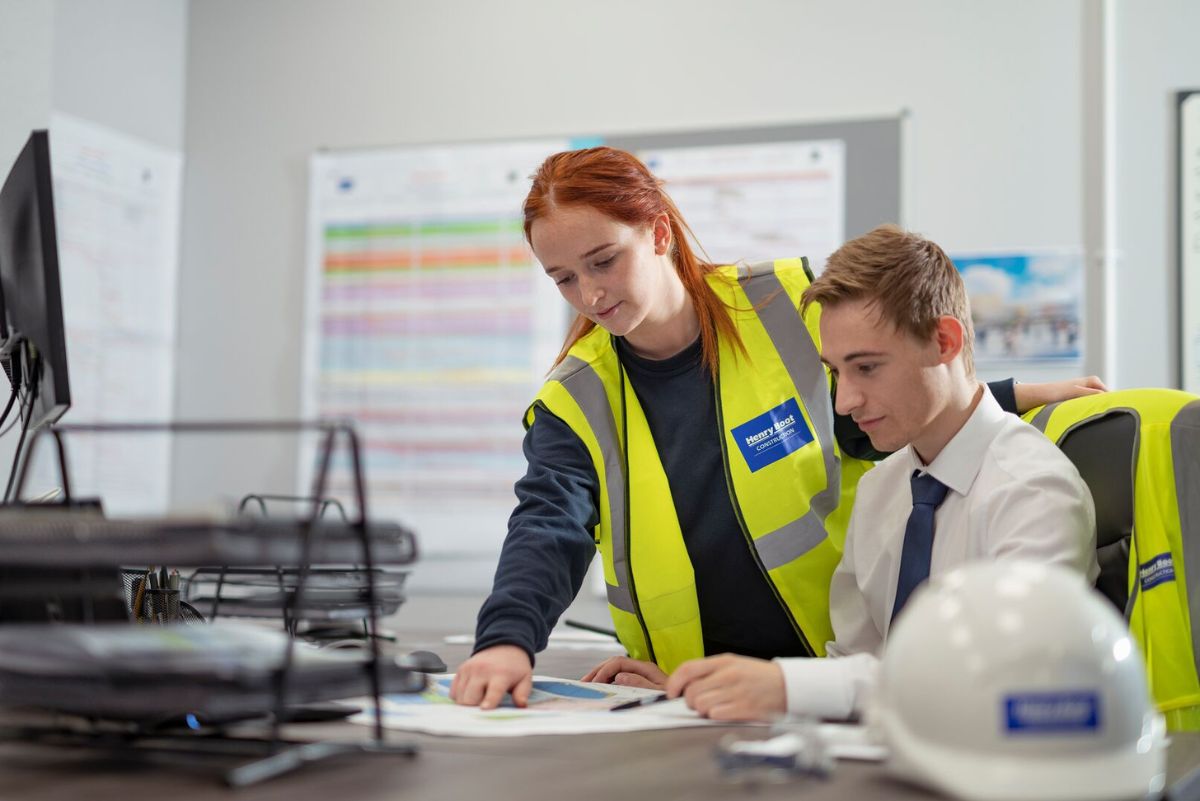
(966, 482)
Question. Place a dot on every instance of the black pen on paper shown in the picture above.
(635, 703)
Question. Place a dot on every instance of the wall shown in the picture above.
(1002, 143)
(994, 93)
(1157, 55)
(118, 63)
(26, 60)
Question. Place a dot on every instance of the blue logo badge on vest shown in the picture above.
(772, 435)
(1052, 713)
(1158, 570)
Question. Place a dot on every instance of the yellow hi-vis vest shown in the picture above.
(1164, 549)
(790, 487)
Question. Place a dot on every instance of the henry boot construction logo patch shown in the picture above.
(1158, 570)
(772, 435)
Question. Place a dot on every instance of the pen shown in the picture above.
(141, 593)
(575, 624)
(635, 703)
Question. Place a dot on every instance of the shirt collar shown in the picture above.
(959, 462)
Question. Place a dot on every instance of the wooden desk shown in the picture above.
(657, 765)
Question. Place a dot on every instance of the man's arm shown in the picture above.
(1046, 516)
(729, 687)
(835, 688)
(1013, 398)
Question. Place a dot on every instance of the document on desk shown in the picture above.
(560, 639)
(556, 706)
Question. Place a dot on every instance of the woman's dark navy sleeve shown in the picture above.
(854, 442)
(1005, 394)
(550, 540)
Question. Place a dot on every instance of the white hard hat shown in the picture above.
(1015, 680)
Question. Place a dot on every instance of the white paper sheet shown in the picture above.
(557, 706)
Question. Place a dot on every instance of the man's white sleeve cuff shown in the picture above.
(830, 688)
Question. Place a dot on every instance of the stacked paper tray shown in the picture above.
(215, 672)
(67, 539)
(330, 594)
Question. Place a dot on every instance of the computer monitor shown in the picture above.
(33, 343)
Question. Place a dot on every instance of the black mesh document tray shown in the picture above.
(69, 539)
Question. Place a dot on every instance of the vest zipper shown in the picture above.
(637, 609)
(737, 512)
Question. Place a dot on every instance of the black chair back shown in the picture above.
(1104, 451)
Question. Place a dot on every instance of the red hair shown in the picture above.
(621, 187)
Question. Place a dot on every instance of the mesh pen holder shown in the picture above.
(160, 607)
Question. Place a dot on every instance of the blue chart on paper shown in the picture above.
(543, 690)
(567, 690)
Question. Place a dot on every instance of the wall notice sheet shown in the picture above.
(429, 325)
(117, 202)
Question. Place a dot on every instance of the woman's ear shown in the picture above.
(661, 229)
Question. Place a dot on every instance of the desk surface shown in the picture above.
(660, 765)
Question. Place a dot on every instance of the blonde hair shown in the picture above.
(906, 277)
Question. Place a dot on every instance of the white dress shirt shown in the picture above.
(1013, 494)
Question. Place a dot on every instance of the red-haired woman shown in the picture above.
(685, 432)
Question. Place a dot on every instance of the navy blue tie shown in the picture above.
(928, 494)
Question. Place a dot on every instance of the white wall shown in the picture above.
(1158, 54)
(118, 63)
(997, 147)
(26, 59)
(994, 91)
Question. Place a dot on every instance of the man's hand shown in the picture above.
(628, 672)
(1029, 396)
(484, 678)
(729, 687)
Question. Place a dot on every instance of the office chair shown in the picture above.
(1104, 451)
(1138, 451)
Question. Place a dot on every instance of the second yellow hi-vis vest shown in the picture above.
(790, 487)
(1164, 548)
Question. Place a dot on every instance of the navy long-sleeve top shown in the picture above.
(550, 533)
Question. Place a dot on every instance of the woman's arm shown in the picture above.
(1013, 398)
(542, 564)
(1029, 396)
(550, 540)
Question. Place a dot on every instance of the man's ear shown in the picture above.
(661, 228)
(949, 334)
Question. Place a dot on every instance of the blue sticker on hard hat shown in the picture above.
(1158, 570)
(772, 435)
(1052, 713)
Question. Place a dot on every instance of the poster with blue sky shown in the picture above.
(1026, 305)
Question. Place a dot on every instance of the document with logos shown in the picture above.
(556, 706)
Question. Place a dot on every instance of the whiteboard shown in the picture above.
(430, 324)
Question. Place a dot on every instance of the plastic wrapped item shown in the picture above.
(796, 749)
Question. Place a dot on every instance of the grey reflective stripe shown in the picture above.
(583, 384)
(620, 597)
(791, 541)
(1185, 456)
(1042, 418)
(795, 346)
